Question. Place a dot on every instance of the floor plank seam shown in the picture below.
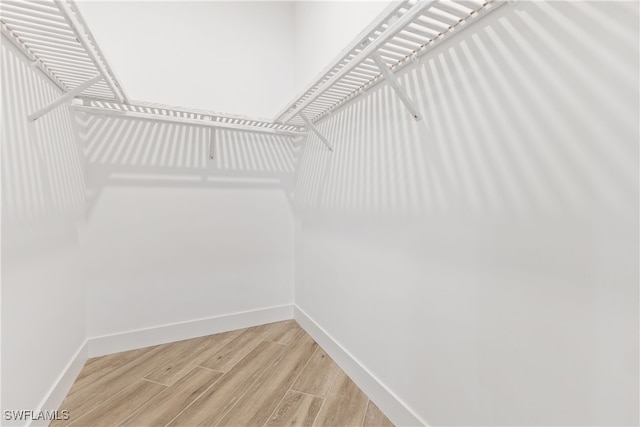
(237, 361)
(291, 385)
(276, 342)
(195, 400)
(366, 409)
(93, 408)
(143, 407)
(106, 400)
(281, 343)
(293, 338)
(314, 387)
(131, 415)
(152, 381)
(167, 362)
(276, 407)
(219, 379)
(304, 392)
(333, 380)
(209, 369)
(281, 354)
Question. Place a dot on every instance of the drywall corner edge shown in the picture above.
(131, 340)
(392, 406)
(61, 387)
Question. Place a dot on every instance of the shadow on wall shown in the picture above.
(492, 246)
(509, 126)
(134, 152)
(43, 197)
(42, 175)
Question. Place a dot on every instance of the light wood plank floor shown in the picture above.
(268, 375)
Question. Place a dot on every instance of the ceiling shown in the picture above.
(238, 57)
(235, 57)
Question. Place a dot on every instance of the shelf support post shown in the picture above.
(64, 98)
(395, 85)
(315, 130)
(212, 140)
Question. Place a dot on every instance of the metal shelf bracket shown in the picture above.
(395, 85)
(315, 130)
(64, 98)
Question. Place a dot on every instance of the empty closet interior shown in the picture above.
(442, 194)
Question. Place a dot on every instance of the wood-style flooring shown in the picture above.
(268, 375)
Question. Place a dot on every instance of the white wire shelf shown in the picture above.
(401, 33)
(183, 115)
(54, 36)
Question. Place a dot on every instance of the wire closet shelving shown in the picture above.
(58, 42)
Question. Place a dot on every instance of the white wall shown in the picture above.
(483, 263)
(322, 30)
(43, 295)
(173, 236)
(229, 56)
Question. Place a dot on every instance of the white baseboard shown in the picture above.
(394, 408)
(130, 340)
(63, 384)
